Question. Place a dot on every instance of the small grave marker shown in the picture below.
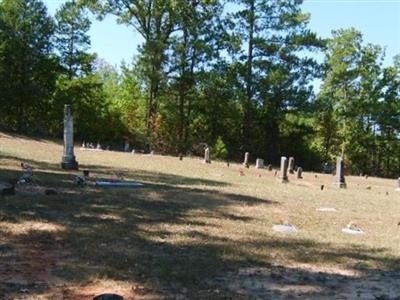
(327, 209)
(299, 173)
(259, 163)
(285, 228)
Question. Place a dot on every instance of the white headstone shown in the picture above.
(259, 163)
(207, 159)
(68, 160)
(246, 159)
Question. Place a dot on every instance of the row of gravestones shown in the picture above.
(288, 166)
(69, 161)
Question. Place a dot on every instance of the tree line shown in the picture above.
(237, 75)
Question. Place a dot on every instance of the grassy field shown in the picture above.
(194, 231)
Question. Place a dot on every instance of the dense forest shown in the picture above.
(238, 75)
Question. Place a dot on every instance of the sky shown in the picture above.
(378, 20)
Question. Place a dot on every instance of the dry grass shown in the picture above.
(194, 231)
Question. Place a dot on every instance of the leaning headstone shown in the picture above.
(259, 163)
(246, 159)
(284, 167)
(207, 159)
(68, 160)
(291, 165)
(299, 173)
(340, 180)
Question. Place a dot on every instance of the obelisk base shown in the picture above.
(69, 163)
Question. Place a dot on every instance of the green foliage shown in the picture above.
(219, 149)
(240, 80)
(72, 39)
(28, 67)
(356, 91)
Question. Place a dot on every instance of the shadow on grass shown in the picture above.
(128, 235)
(138, 175)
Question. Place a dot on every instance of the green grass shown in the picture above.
(194, 231)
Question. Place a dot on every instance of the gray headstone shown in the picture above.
(299, 172)
(126, 146)
(246, 159)
(291, 165)
(68, 160)
(340, 180)
(284, 167)
(207, 159)
(259, 163)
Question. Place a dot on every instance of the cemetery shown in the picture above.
(190, 228)
(168, 149)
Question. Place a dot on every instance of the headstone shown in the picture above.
(152, 152)
(133, 151)
(246, 159)
(340, 181)
(146, 149)
(207, 159)
(299, 173)
(126, 146)
(83, 144)
(269, 167)
(259, 163)
(285, 228)
(98, 146)
(180, 156)
(284, 167)
(327, 209)
(68, 160)
(291, 165)
(353, 229)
